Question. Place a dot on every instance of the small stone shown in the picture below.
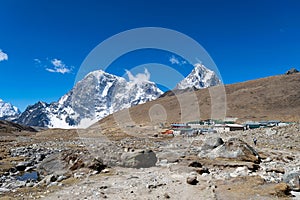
(105, 170)
(28, 169)
(48, 179)
(192, 180)
(268, 159)
(78, 175)
(30, 184)
(95, 172)
(167, 196)
(202, 170)
(60, 178)
(52, 184)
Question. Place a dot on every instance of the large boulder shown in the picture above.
(67, 161)
(293, 180)
(139, 159)
(211, 142)
(113, 154)
(234, 149)
(53, 164)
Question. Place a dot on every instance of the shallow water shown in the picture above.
(28, 176)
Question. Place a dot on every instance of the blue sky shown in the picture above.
(44, 42)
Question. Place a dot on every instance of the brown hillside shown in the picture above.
(272, 98)
(7, 127)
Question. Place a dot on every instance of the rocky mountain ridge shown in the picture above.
(96, 96)
(100, 94)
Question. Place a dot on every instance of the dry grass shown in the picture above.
(269, 98)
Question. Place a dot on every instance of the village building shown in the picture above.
(179, 126)
(221, 128)
(253, 125)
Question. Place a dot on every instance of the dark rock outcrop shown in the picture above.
(35, 115)
(291, 71)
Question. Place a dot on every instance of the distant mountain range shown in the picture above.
(100, 94)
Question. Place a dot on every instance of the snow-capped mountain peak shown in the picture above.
(200, 77)
(8, 111)
(94, 97)
(100, 93)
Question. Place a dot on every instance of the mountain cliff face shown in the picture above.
(96, 96)
(200, 77)
(35, 115)
(8, 111)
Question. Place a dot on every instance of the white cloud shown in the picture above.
(140, 77)
(3, 56)
(58, 66)
(174, 60)
(38, 61)
(57, 63)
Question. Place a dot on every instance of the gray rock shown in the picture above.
(67, 161)
(79, 175)
(139, 159)
(170, 157)
(167, 196)
(48, 179)
(61, 178)
(18, 184)
(203, 170)
(3, 190)
(240, 171)
(235, 149)
(293, 180)
(211, 142)
(192, 179)
(105, 170)
(54, 163)
(292, 71)
(30, 184)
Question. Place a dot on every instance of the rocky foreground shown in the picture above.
(74, 164)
